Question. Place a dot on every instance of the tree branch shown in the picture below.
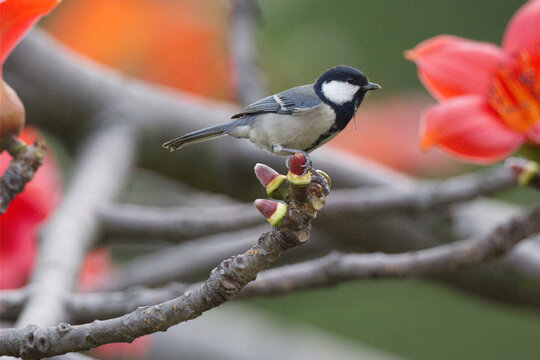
(326, 271)
(25, 163)
(336, 267)
(224, 283)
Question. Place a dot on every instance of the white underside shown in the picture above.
(298, 131)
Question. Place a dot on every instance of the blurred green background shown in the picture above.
(302, 38)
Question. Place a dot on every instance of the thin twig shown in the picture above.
(102, 170)
(26, 161)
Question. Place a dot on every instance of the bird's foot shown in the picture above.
(305, 166)
(279, 150)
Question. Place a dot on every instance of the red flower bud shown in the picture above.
(297, 170)
(269, 178)
(265, 174)
(298, 164)
(272, 210)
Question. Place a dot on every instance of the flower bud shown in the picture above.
(297, 169)
(274, 211)
(298, 164)
(12, 116)
(269, 178)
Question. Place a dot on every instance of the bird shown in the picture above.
(299, 119)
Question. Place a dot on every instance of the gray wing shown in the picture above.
(304, 98)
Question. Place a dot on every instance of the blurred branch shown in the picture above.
(337, 267)
(179, 223)
(326, 271)
(56, 84)
(243, 47)
(87, 307)
(240, 330)
(102, 169)
(26, 161)
(526, 257)
(426, 195)
(189, 222)
(181, 262)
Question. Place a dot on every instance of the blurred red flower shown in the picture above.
(20, 224)
(19, 228)
(181, 44)
(18, 16)
(489, 96)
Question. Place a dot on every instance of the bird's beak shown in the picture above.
(371, 86)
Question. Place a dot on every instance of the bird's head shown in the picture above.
(342, 85)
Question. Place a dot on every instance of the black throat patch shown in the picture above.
(344, 114)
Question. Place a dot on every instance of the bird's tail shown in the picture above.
(198, 136)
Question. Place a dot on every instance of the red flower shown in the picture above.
(489, 96)
(18, 16)
(179, 43)
(20, 224)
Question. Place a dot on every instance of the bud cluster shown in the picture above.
(295, 198)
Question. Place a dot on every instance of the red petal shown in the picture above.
(523, 31)
(450, 66)
(18, 16)
(467, 128)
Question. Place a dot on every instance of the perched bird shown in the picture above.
(296, 120)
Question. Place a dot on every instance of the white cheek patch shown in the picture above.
(339, 92)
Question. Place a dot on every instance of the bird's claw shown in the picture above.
(305, 166)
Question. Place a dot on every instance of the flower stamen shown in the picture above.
(515, 92)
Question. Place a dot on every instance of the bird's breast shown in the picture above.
(297, 131)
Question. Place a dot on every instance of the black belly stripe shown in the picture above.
(325, 135)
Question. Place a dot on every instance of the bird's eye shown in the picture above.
(351, 81)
